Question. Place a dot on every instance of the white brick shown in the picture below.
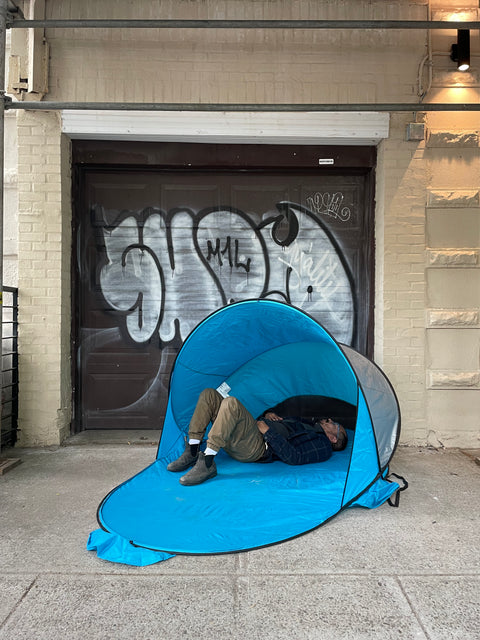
(454, 379)
(453, 318)
(453, 258)
(457, 198)
(453, 139)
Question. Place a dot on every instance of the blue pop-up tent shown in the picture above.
(270, 355)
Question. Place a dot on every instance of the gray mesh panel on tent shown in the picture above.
(382, 403)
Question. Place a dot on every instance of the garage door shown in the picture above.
(166, 236)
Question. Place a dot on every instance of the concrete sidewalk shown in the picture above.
(411, 572)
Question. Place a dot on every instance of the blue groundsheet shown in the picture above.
(246, 506)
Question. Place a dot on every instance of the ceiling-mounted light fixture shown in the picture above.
(460, 52)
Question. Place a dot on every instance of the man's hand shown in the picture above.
(262, 426)
(273, 416)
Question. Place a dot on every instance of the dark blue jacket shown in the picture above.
(296, 442)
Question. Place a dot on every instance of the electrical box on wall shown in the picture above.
(415, 131)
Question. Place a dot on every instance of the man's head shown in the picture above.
(335, 433)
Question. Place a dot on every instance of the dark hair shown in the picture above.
(342, 440)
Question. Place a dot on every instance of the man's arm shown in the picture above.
(270, 415)
(316, 449)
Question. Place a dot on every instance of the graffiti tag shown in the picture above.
(329, 204)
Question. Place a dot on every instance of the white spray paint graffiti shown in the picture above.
(166, 272)
(311, 271)
(329, 204)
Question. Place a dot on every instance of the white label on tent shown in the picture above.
(223, 389)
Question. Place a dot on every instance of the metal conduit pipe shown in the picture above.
(242, 24)
(3, 18)
(191, 106)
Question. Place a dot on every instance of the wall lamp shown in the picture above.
(460, 52)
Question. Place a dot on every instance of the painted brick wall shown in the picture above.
(44, 279)
(199, 65)
(400, 300)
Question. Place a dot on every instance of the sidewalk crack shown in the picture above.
(412, 608)
(15, 607)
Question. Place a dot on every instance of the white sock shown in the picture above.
(193, 441)
(210, 452)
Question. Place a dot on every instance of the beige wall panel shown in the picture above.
(453, 288)
(453, 166)
(455, 227)
(454, 418)
(453, 121)
(452, 349)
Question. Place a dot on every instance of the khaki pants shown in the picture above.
(233, 427)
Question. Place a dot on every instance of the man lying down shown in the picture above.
(272, 437)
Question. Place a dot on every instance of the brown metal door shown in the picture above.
(160, 248)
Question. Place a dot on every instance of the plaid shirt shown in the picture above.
(302, 445)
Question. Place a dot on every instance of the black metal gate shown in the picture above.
(9, 421)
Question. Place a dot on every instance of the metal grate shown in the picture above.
(9, 418)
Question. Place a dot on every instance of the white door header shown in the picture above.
(331, 128)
